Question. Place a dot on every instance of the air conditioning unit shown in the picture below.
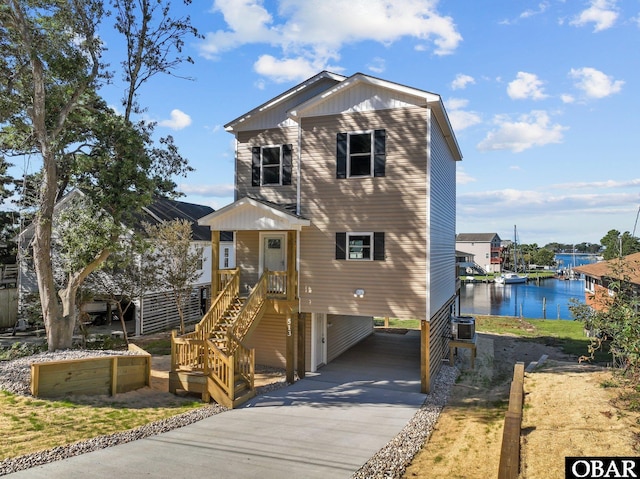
(463, 328)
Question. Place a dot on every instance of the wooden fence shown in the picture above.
(510, 453)
(92, 376)
(8, 307)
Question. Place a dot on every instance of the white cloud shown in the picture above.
(284, 70)
(566, 98)
(217, 191)
(377, 65)
(526, 85)
(542, 7)
(248, 21)
(608, 184)
(534, 129)
(603, 13)
(178, 121)
(594, 83)
(461, 81)
(461, 119)
(313, 33)
(462, 177)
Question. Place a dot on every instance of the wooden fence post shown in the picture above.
(510, 452)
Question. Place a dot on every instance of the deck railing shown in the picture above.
(225, 276)
(277, 283)
(244, 363)
(187, 354)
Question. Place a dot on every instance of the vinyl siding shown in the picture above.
(276, 194)
(442, 222)
(269, 341)
(247, 258)
(346, 331)
(278, 115)
(393, 204)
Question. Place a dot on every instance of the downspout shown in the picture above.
(298, 210)
(235, 169)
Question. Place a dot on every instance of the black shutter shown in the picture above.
(286, 164)
(255, 166)
(379, 152)
(341, 156)
(341, 245)
(378, 246)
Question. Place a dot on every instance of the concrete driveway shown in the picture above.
(324, 426)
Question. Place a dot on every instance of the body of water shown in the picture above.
(526, 299)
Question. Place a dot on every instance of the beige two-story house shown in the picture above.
(345, 208)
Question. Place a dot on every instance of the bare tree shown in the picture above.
(176, 261)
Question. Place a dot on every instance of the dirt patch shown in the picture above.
(157, 394)
(567, 413)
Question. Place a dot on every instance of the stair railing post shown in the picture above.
(206, 358)
(174, 358)
(231, 380)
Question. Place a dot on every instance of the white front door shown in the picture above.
(318, 340)
(274, 252)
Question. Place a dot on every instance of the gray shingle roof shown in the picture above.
(478, 237)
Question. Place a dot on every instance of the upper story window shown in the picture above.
(361, 154)
(271, 165)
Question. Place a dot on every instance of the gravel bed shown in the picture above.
(390, 462)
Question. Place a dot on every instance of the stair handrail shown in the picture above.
(220, 368)
(248, 313)
(244, 361)
(219, 305)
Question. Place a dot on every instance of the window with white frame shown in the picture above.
(361, 153)
(360, 246)
(271, 165)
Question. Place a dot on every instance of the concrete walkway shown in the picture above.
(325, 426)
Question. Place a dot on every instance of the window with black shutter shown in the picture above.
(361, 154)
(271, 165)
(360, 246)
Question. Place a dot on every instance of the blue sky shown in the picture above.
(543, 96)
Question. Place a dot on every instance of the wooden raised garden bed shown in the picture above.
(92, 376)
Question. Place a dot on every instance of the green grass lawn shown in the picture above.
(567, 335)
(31, 424)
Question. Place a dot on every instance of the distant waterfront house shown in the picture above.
(466, 265)
(485, 248)
(599, 276)
(344, 211)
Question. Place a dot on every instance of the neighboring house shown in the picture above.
(599, 276)
(344, 210)
(155, 311)
(485, 247)
(467, 266)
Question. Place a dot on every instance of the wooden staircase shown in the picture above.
(212, 360)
